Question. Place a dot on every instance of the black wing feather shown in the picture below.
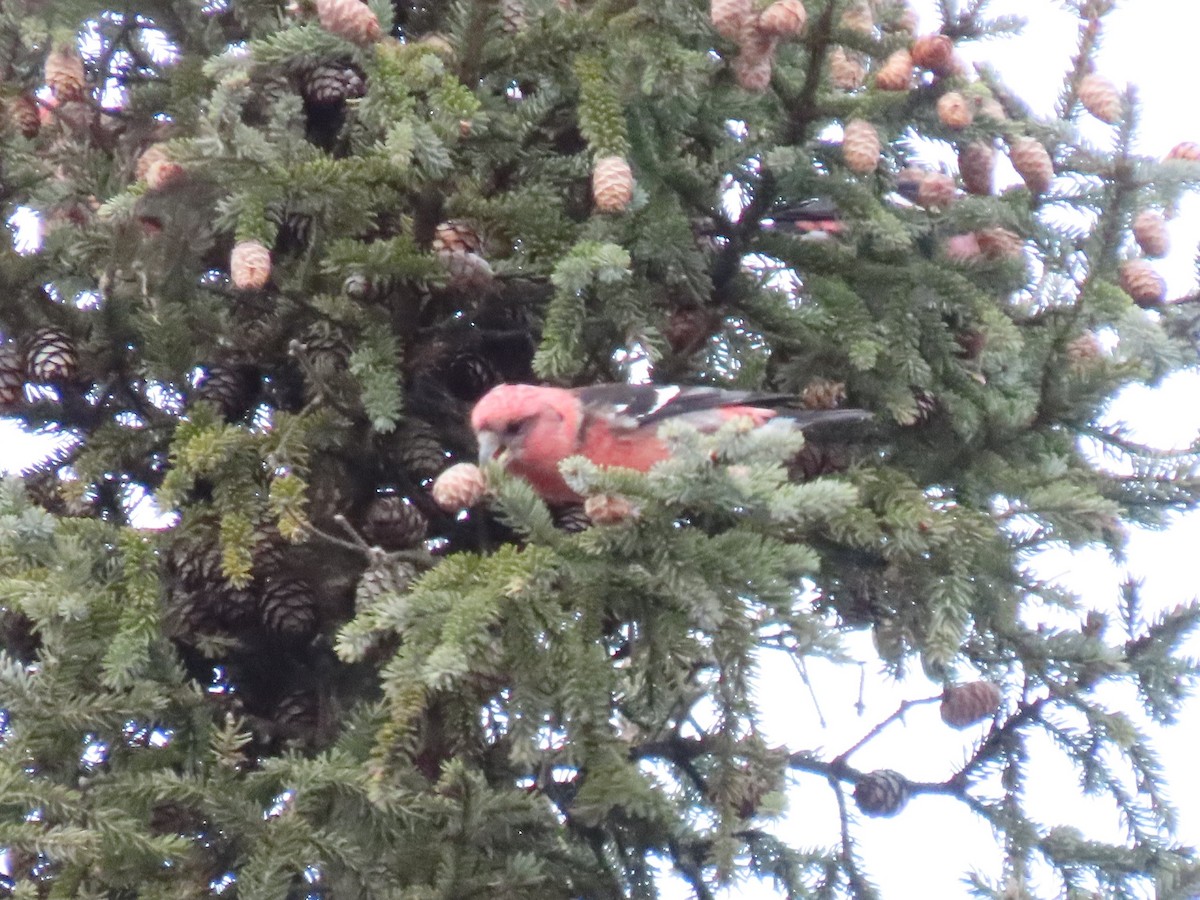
(645, 404)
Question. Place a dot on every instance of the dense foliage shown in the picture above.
(282, 250)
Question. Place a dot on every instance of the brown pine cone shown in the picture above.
(964, 705)
(881, 793)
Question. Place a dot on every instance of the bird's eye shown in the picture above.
(516, 427)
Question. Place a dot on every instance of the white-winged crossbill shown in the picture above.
(531, 429)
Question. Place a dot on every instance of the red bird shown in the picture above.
(531, 429)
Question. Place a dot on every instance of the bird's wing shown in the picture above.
(632, 406)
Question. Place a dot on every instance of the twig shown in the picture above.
(904, 707)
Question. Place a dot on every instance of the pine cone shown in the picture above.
(1033, 164)
(394, 523)
(64, 73)
(460, 487)
(1083, 351)
(937, 191)
(962, 248)
(163, 173)
(999, 243)
(612, 184)
(823, 393)
(331, 84)
(688, 328)
(287, 608)
(846, 70)
(385, 578)
(367, 288)
(326, 349)
(954, 111)
(512, 16)
(1188, 151)
(609, 509)
(896, 74)
(976, 166)
(250, 264)
(152, 154)
(571, 519)
(934, 52)
(267, 548)
(753, 73)
(298, 712)
(731, 17)
(783, 19)
(881, 793)
(1139, 280)
(1150, 232)
(466, 270)
(861, 147)
(1100, 97)
(51, 357)
(421, 454)
(858, 17)
(349, 19)
(12, 373)
(22, 111)
(964, 705)
(469, 376)
(456, 235)
(233, 389)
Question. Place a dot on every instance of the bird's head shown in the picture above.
(523, 425)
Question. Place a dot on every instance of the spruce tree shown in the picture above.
(282, 251)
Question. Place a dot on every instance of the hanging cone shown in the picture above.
(22, 111)
(12, 373)
(1100, 97)
(976, 166)
(954, 111)
(937, 191)
(571, 519)
(1188, 151)
(51, 357)
(861, 147)
(964, 705)
(1150, 232)
(466, 270)
(896, 74)
(420, 454)
(823, 393)
(731, 17)
(64, 73)
(456, 234)
(612, 184)
(460, 487)
(232, 389)
(349, 19)
(783, 19)
(858, 17)
(250, 265)
(999, 243)
(609, 509)
(753, 73)
(846, 70)
(394, 523)
(1083, 352)
(1033, 164)
(512, 16)
(934, 52)
(287, 608)
(962, 248)
(1139, 280)
(881, 793)
(331, 84)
